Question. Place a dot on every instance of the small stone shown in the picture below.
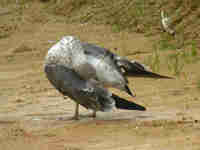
(19, 100)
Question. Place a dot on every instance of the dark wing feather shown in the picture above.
(135, 69)
(124, 104)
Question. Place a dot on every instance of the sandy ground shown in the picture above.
(33, 115)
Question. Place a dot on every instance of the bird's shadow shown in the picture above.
(105, 118)
(87, 117)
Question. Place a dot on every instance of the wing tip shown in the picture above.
(124, 104)
(127, 89)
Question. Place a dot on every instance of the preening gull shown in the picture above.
(83, 71)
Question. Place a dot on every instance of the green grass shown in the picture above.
(165, 44)
(153, 60)
(177, 60)
(175, 63)
(116, 28)
(190, 55)
(198, 84)
(194, 49)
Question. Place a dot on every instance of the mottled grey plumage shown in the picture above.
(82, 71)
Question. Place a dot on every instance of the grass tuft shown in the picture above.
(153, 60)
(175, 63)
(198, 84)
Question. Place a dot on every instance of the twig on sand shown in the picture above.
(137, 52)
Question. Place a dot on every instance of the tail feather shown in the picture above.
(121, 103)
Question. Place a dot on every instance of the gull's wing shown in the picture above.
(136, 69)
(84, 92)
(125, 67)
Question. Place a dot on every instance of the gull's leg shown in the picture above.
(76, 115)
(94, 114)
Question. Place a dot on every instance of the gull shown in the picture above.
(84, 71)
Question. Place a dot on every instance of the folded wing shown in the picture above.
(126, 67)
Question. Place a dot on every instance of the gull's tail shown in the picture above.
(121, 103)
